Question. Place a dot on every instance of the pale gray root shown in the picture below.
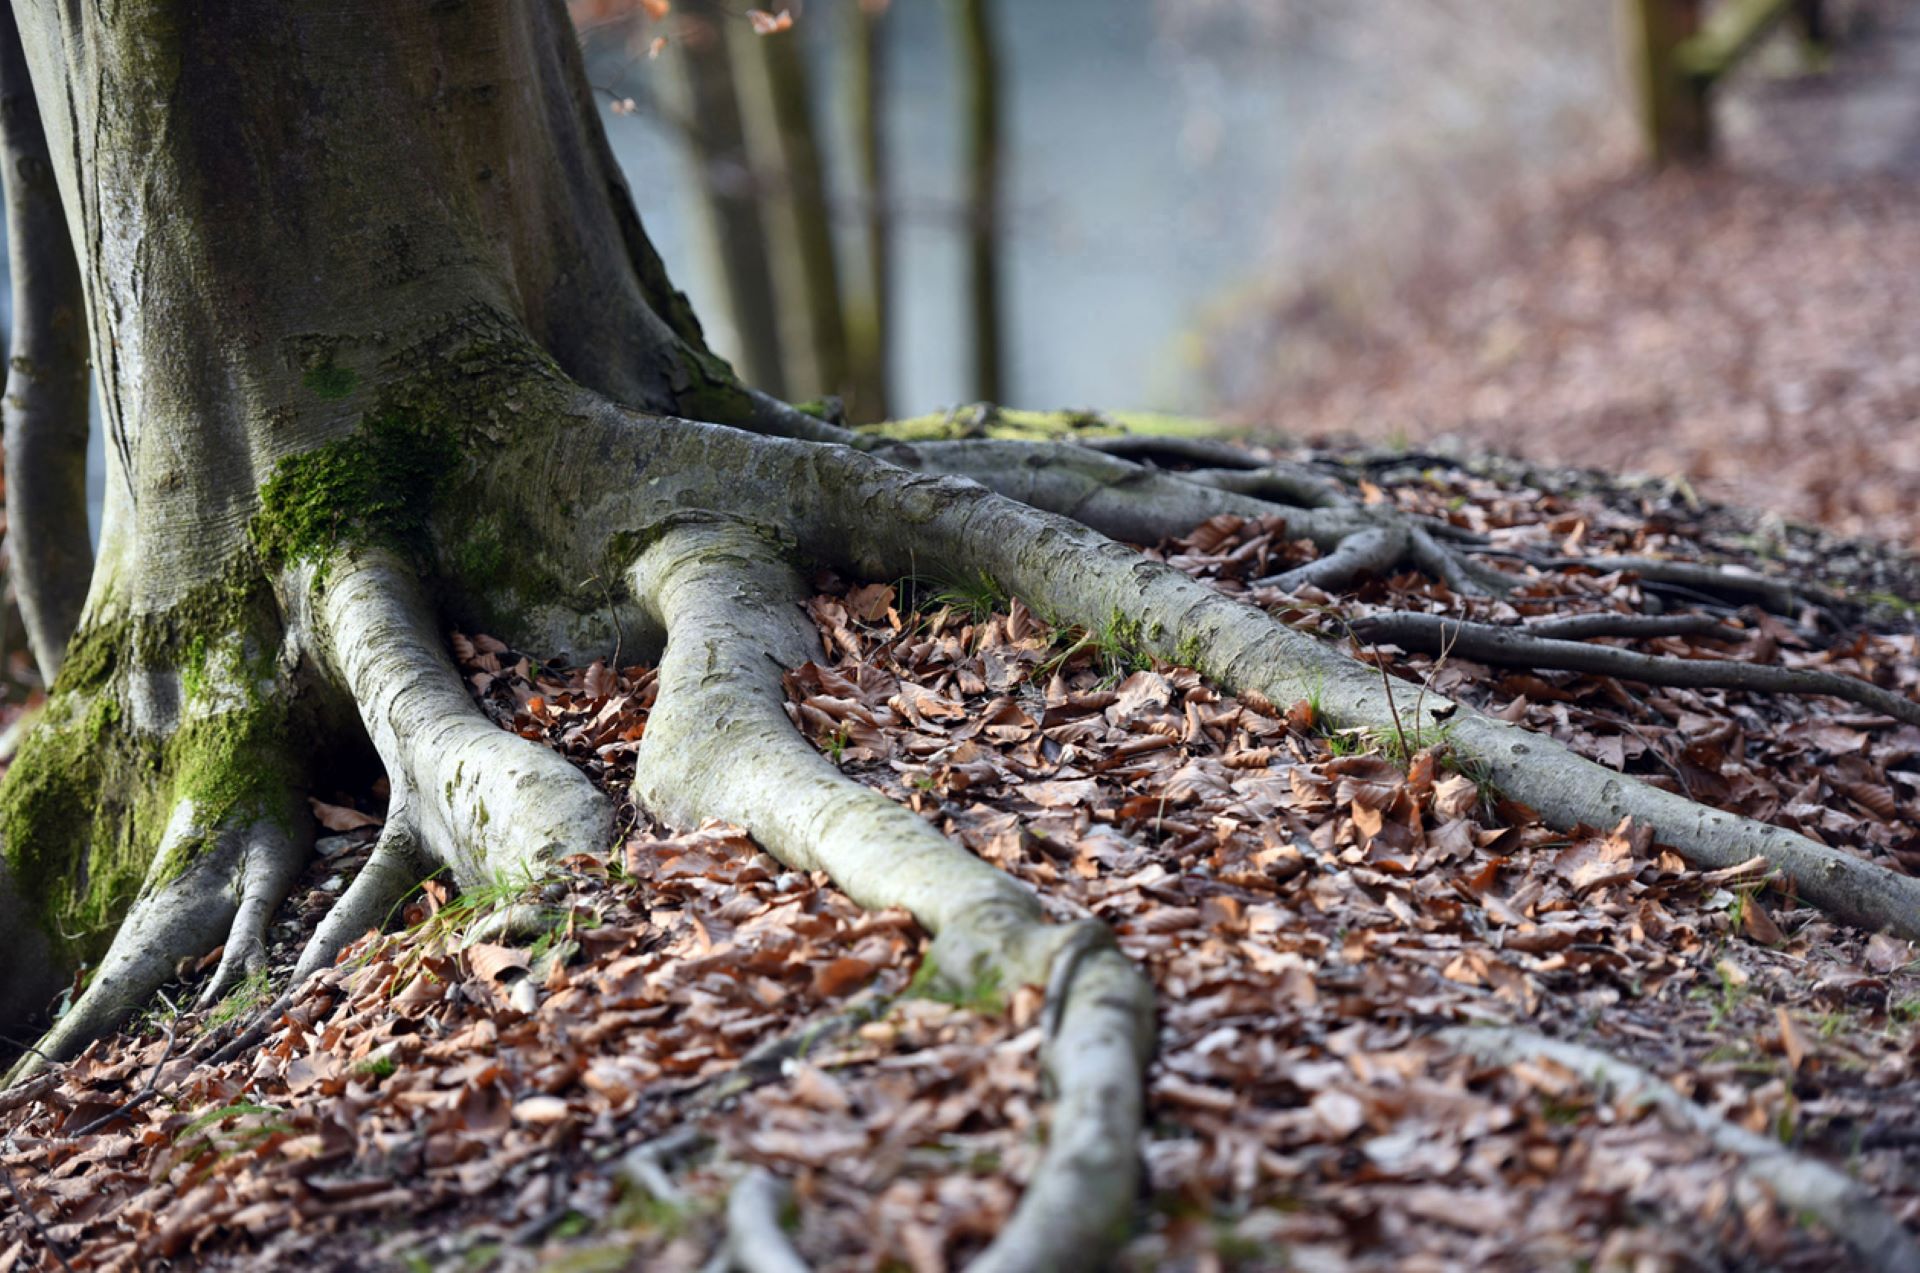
(1280, 483)
(877, 522)
(1778, 595)
(647, 1166)
(483, 803)
(1132, 502)
(1801, 1186)
(1519, 647)
(1207, 453)
(1370, 552)
(719, 744)
(394, 869)
(756, 1242)
(269, 865)
(175, 918)
(1612, 623)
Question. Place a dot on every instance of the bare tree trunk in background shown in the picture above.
(980, 90)
(1673, 104)
(868, 315)
(49, 550)
(735, 231)
(778, 105)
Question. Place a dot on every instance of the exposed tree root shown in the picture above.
(755, 1241)
(478, 801)
(719, 744)
(1582, 627)
(1521, 647)
(1076, 576)
(1800, 1185)
(1368, 552)
(1778, 595)
(395, 869)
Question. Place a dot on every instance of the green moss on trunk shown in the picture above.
(85, 805)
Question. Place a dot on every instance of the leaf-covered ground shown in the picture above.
(1751, 332)
(1312, 906)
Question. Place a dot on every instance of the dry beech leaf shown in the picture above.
(492, 962)
(336, 817)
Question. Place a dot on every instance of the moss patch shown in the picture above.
(330, 380)
(85, 804)
(375, 486)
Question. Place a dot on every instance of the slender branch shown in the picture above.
(33, 1217)
(147, 1089)
(1517, 647)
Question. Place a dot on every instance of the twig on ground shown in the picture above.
(146, 1091)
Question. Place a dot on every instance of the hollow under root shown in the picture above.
(205, 883)
(1800, 1185)
(719, 744)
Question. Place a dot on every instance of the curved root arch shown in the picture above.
(719, 744)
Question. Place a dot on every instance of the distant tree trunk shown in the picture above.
(869, 318)
(780, 126)
(1674, 107)
(980, 119)
(49, 551)
(736, 231)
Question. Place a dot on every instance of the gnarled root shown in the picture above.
(467, 796)
(719, 744)
(1800, 1185)
(1081, 578)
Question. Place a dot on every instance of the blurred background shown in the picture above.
(1666, 236)
(1671, 237)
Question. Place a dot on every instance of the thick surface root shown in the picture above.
(1802, 1186)
(481, 803)
(1076, 576)
(719, 744)
(395, 869)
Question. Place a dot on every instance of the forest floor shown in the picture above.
(1749, 328)
(1312, 914)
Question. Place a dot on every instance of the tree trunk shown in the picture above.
(731, 199)
(870, 316)
(383, 347)
(980, 111)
